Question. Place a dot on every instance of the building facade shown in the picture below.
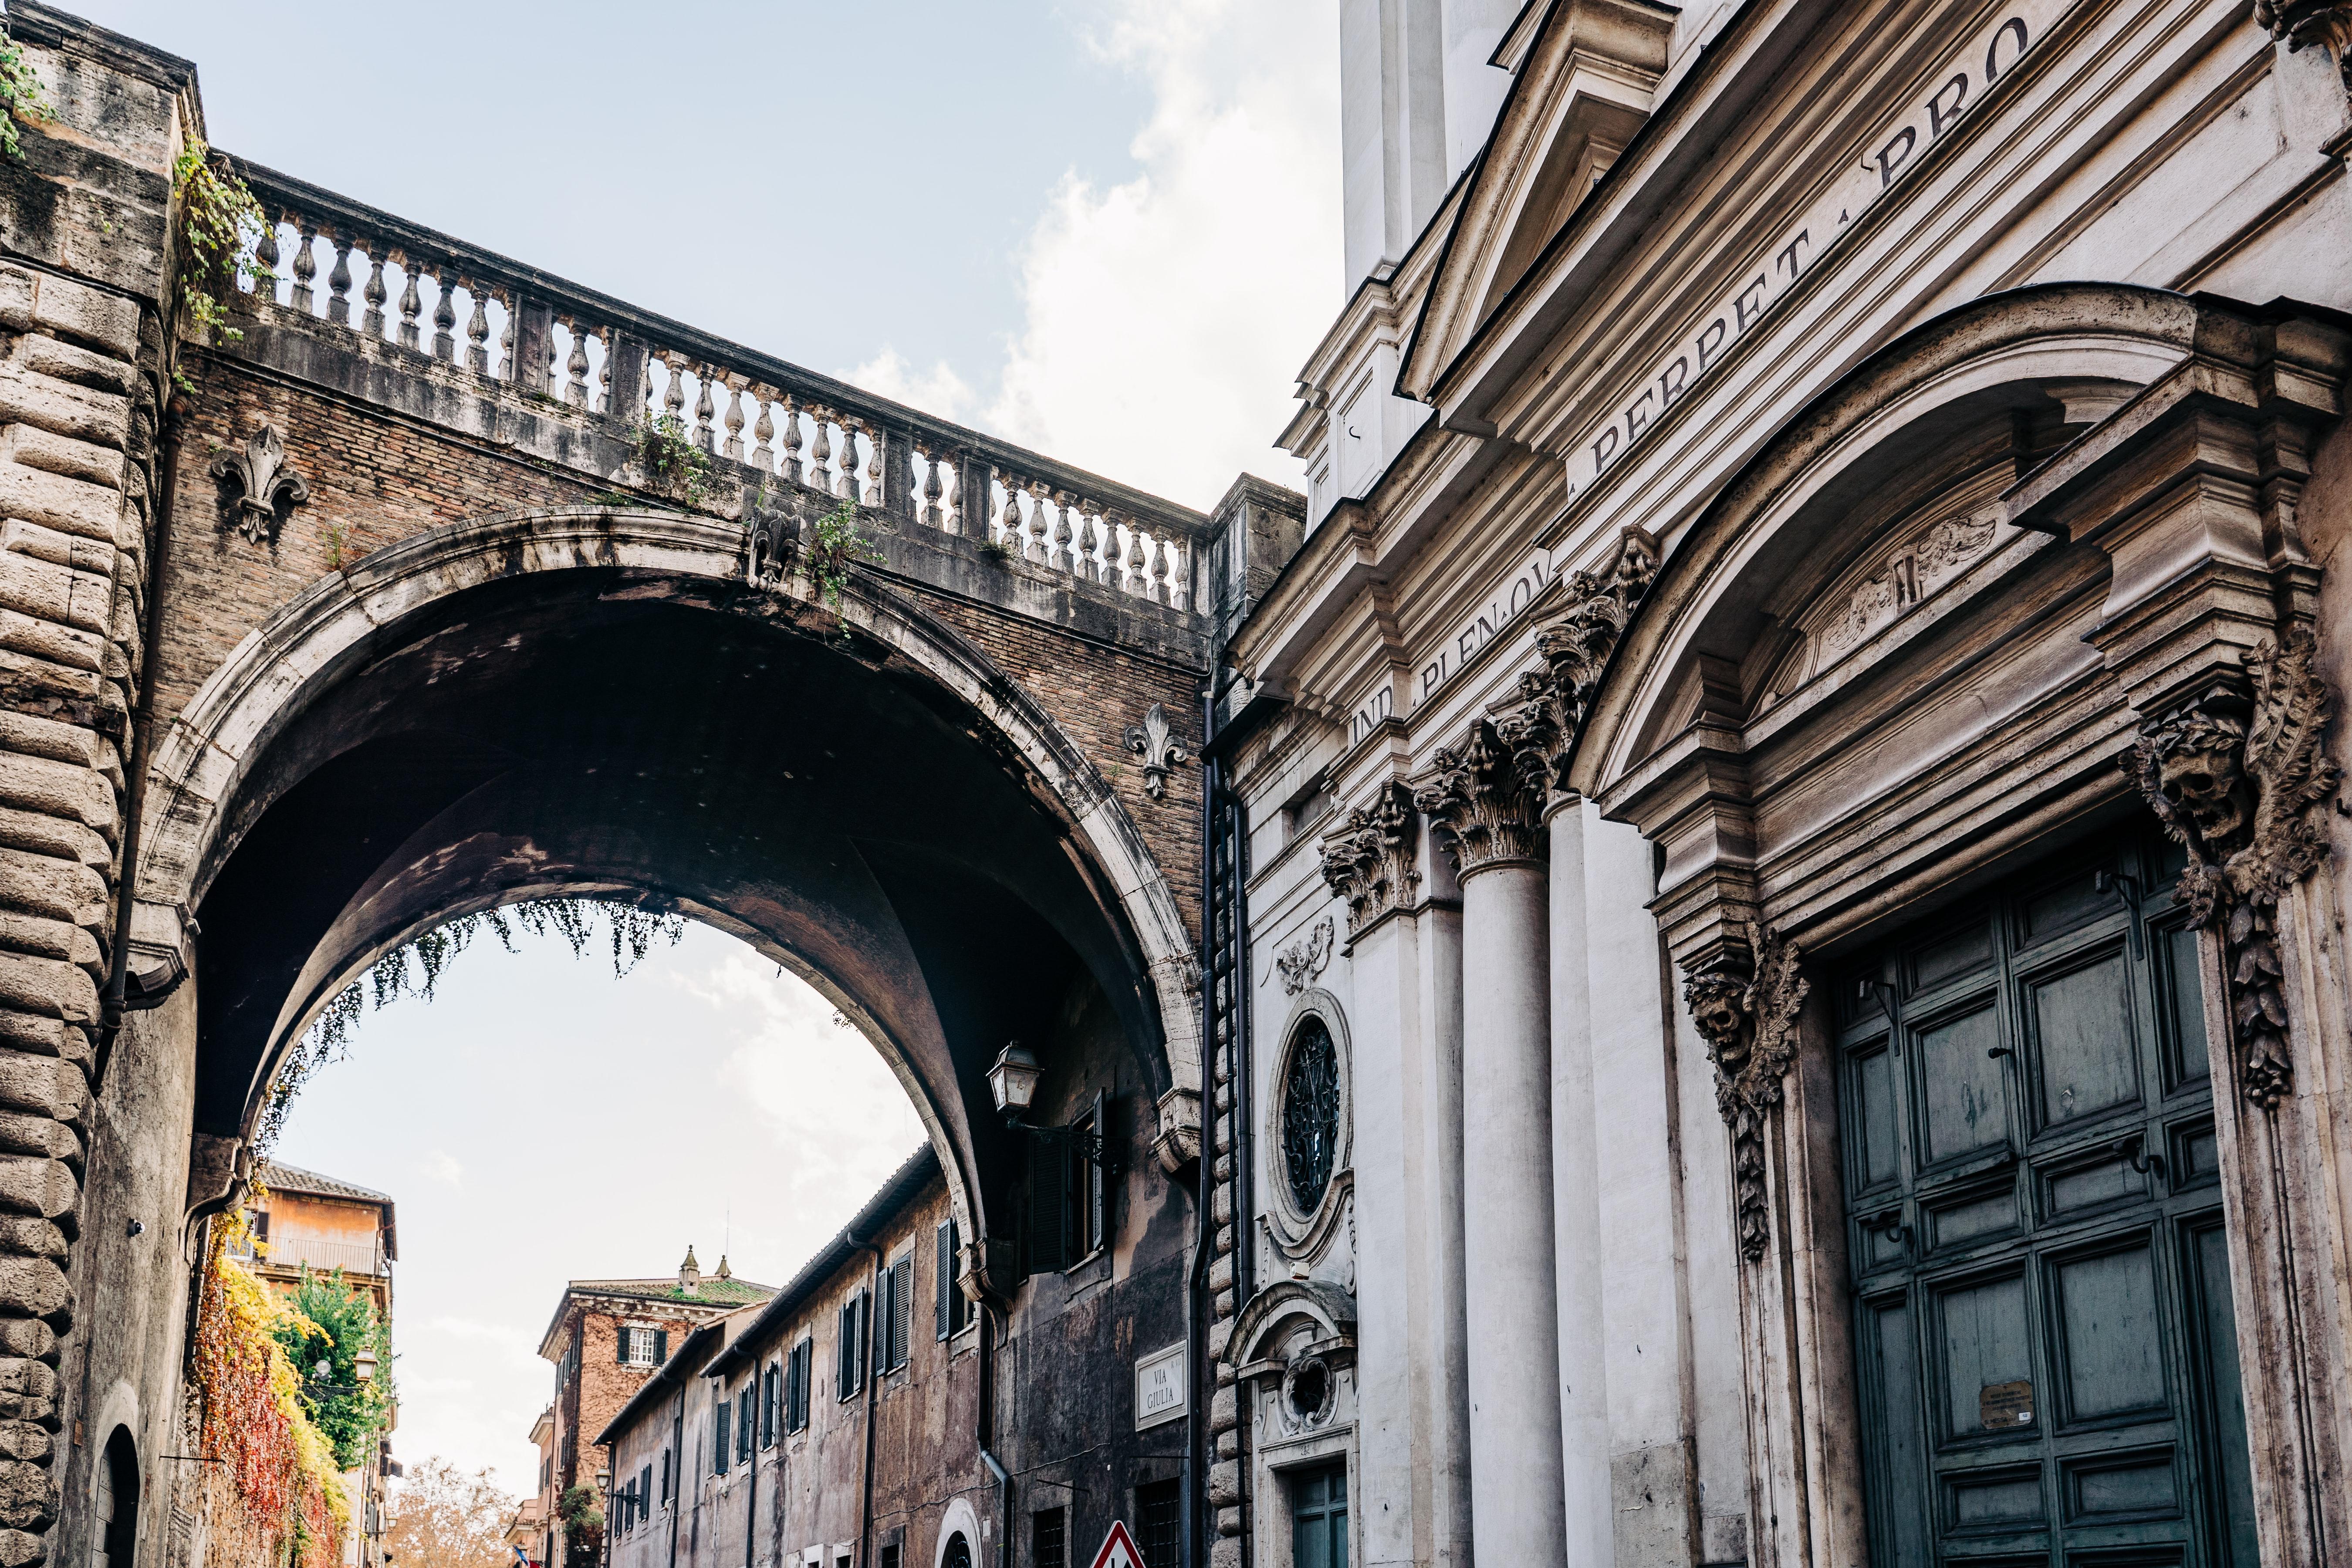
(873, 1412)
(1781, 871)
(605, 1338)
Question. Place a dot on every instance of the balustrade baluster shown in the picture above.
(820, 466)
(931, 485)
(874, 482)
(952, 506)
(763, 432)
(265, 262)
(1180, 573)
(339, 281)
(506, 346)
(444, 314)
(306, 267)
(1032, 542)
(575, 365)
(1062, 543)
(1162, 567)
(477, 334)
(410, 305)
(734, 421)
(1130, 559)
(674, 398)
(1010, 527)
(1099, 555)
(704, 435)
(845, 482)
(792, 464)
(374, 294)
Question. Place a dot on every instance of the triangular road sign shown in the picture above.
(1118, 1549)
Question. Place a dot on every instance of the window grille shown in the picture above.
(1310, 1114)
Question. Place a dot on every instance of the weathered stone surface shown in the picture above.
(22, 1549)
(48, 986)
(28, 1499)
(34, 1184)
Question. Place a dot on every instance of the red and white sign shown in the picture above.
(1118, 1549)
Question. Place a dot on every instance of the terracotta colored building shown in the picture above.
(607, 1336)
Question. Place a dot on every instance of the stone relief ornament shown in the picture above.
(258, 491)
(1368, 860)
(2241, 786)
(1482, 803)
(1748, 1017)
(1909, 575)
(1161, 751)
(770, 540)
(2302, 23)
(1301, 962)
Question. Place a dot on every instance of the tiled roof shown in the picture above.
(713, 1292)
(283, 1178)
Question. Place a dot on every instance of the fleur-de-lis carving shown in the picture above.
(1160, 751)
(258, 491)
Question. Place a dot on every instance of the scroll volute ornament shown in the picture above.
(2241, 785)
(1479, 797)
(258, 491)
(1746, 1008)
(1542, 722)
(1368, 860)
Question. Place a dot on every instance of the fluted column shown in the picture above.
(1490, 820)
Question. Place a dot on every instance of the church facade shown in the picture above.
(1776, 887)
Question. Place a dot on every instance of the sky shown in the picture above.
(1107, 229)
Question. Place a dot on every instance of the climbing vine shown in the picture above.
(415, 969)
(673, 461)
(278, 1494)
(833, 543)
(21, 92)
(221, 226)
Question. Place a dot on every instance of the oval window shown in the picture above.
(1310, 1114)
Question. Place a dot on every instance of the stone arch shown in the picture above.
(204, 775)
(1802, 517)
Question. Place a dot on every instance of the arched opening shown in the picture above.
(852, 790)
(115, 1537)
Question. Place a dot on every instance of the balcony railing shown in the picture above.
(321, 1254)
(539, 334)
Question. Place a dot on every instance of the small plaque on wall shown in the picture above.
(2006, 1406)
(1159, 1387)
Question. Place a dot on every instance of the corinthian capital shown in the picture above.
(1480, 800)
(1368, 860)
(1576, 643)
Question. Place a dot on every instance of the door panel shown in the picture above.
(2045, 1349)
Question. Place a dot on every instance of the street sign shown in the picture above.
(1118, 1549)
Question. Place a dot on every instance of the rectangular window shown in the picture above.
(850, 1370)
(1085, 1192)
(721, 1414)
(897, 1325)
(743, 1424)
(1159, 1524)
(802, 1373)
(890, 1555)
(1049, 1538)
(665, 1493)
(643, 1347)
(948, 1307)
(770, 1387)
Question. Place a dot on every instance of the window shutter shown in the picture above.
(621, 1346)
(1097, 1189)
(719, 1415)
(1048, 1199)
(661, 1346)
(902, 1310)
(941, 1327)
(743, 1432)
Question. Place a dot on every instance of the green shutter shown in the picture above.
(661, 1347)
(621, 1346)
(940, 1324)
(1049, 1173)
(1097, 1181)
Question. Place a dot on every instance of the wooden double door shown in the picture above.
(2044, 1336)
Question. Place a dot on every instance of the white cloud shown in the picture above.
(445, 1168)
(938, 391)
(1166, 318)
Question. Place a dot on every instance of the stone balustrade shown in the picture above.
(505, 322)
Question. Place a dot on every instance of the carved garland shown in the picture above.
(1749, 1017)
(1368, 860)
(2241, 786)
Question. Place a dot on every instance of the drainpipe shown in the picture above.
(866, 1493)
(677, 1470)
(987, 1424)
(1221, 797)
(751, 1481)
(1196, 1302)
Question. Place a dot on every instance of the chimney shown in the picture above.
(689, 1273)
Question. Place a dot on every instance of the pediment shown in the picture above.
(1584, 73)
